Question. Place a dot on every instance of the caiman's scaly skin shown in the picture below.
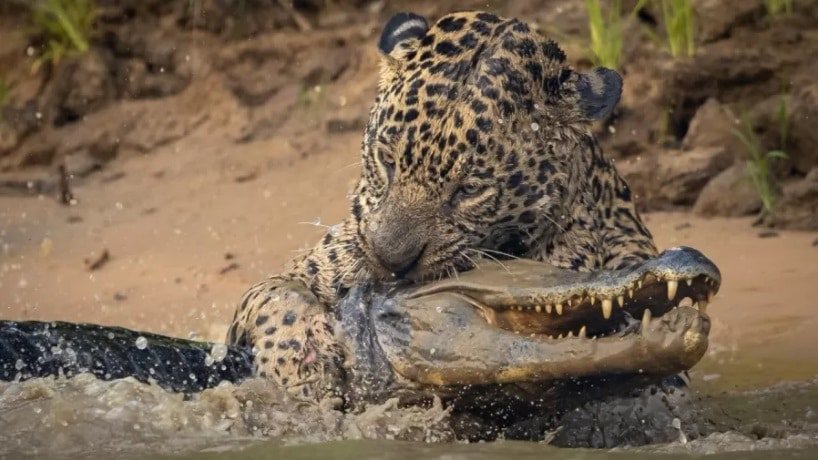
(478, 145)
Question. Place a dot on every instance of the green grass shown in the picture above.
(777, 7)
(679, 26)
(760, 160)
(65, 26)
(606, 31)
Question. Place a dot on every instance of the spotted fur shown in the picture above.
(478, 145)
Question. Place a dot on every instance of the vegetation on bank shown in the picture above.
(63, 26)
(760, 161)
(678, 16)
(605, 28)
(606, 32)
(778, 7)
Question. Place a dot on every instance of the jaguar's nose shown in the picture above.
(398, 257)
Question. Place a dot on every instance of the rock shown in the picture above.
(8, 137)
(675, 177)
(80, 86)
(716, 18)
(802, 144)
(137, 81)
(713, 125)
(683, 174)
(728, 194)
(636, 124)
(735, 73)
(798, 206)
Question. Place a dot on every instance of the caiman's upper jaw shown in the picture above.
(559, 303)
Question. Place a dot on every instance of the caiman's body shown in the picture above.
(491, 342)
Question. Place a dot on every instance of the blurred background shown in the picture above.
(157, 157)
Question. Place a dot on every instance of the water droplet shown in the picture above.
(218, 352)
(535, 127)
(19, 364)
(141, 342)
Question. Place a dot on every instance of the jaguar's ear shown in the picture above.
(599, 91)
(401, 35)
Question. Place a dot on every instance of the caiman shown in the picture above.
(517, 347)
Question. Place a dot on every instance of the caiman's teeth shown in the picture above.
(630, 293)
(559, 336)
(593, 300)
(558, 308)
(672, 287)
(548, 308)
(537, 308)
(583, 332)
(646, 315)
(621, 301)
(607, 308)
(569, 334)
(689, 281)
(638, 284)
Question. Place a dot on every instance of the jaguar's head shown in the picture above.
(474, 143)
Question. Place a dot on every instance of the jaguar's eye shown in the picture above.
(470, 189)
(467, 190)
(387, 161)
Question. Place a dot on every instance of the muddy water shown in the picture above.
(126, 419)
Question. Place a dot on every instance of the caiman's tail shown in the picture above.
(30, 349)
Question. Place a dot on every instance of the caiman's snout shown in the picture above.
(523, 321)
